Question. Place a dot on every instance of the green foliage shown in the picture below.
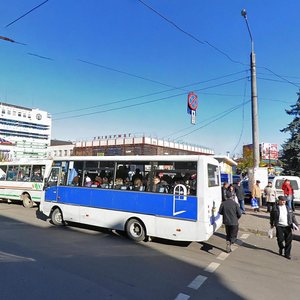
(291, 148)
(245, 162)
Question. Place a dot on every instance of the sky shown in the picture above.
(105, 67)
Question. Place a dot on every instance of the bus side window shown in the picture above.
(37, 174)
(24, 173)
(53, 178)
(12, 173)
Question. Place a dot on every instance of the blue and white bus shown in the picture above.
(170, 197)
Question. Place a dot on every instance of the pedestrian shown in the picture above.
(256, 193)
(287, 192)
(231, 213)
(270, 194)
(283, 218)
(230, 193)
(239, 191)
(224, 190)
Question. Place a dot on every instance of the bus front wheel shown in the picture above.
(135, 230)
(27, 202)
(57, 217)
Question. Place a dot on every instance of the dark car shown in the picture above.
(247, 191)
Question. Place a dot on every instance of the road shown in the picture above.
(41, 261)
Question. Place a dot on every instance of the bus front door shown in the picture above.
(51, 191)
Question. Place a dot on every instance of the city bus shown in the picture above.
(23, 180)
(169, 197)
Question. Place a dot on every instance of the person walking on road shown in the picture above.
(231, 213)
(256, 193)
(270, 194)
(283, 218)
(230, 193)
(287, 192)
(224, 190)
(239, 191)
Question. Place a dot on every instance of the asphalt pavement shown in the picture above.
(259, 222)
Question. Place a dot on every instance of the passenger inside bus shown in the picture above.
(37, 177)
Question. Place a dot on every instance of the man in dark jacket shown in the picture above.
(239, 191)
(231, 213)
(283, 218)
(224, 190)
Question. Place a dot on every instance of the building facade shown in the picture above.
(135, 145)
(60, 148)
(29, 130)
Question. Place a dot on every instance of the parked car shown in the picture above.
(247, 191)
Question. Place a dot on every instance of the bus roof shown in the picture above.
(138, 158)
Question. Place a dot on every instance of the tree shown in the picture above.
(291, 148)
(245, 162)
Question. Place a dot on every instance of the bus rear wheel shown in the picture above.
(135, 230)
(57, 217)
(27, 202)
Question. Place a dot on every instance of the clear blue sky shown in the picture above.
(105, 51)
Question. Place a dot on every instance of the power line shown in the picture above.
(208, 43)
(243, 119)
(40, 56)
(146, 102)
(36, 7)
(216, 119)
(126, 73)
(276, 80)
(191, 35)
(292, 83)
(148, 95)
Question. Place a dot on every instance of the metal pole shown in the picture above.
(255, 138)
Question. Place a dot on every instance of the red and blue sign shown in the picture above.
(192, 106)
(192, 101)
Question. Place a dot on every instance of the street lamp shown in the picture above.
(255, 139)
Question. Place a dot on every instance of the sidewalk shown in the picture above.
(259, 222)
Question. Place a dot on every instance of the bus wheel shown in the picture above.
(135, 230)
(57, 217)
(27, 202)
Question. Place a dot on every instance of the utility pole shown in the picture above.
(255, 138)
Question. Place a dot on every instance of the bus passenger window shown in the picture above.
(24, 173)
(12, 173)
(37, 176)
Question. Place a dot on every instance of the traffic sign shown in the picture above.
(192, 101)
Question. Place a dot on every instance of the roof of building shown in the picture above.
(60, 143)
(224, 158)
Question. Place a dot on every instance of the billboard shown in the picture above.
(269, 151)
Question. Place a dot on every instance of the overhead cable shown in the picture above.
(191, 35)
(36, 7)
(224, 114)
(146, 102)
(151, 94)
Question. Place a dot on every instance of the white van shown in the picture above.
(295, 183)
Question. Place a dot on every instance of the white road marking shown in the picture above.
(233, 247)
(212, 267)
(197, 282)
(244, 236)
(7, 257)
(223, 256)
(182, 297)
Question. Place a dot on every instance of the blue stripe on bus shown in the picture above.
(159, 204)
